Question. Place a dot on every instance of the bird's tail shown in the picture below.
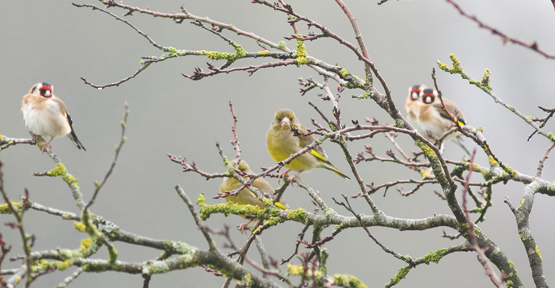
(76, 141)
(331, 168)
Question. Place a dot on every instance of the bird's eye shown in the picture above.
(42, 91)
(291, 118)
(279, 119)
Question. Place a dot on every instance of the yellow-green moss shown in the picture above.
(521, 202)
(509, 283)
(538, 252)
(492, 161)
(63, 265)
(5, 209)
(549, 135)
(401, 274)
(425, 174)
(343, 73)
(80, 226)
(484, 84)
(347, 281)
(522, 238)
(434, 256)
(229, 208)
(281, 45)
(294, 270)
(113, 255)
(301, 49)
(86, 243)
(427, 150)
(510, 170)
(60, 170)
(298, 215)
(230, 57)
(201, 201)
(528, 117)
(262, 53)
(1, 137)
(485, 79)
(246, 281)
(300, 54)
(511, 264)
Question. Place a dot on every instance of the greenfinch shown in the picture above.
(282, 143)
(246, 196)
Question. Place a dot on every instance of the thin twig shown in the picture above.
(540, 166)
(98, 186)
(504, 37)
(482, 258)
(235, 141)
(18, 214)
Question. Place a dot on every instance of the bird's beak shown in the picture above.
(285, 122)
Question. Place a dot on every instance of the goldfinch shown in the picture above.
(45, 115)
(281, 144)
(413, 102)
(246, 196)
(432, 117)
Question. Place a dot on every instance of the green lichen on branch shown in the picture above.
(299, 270)
(229, 57)
(5, 208)
(300, 54)
(484, 84)
(401, 274)
(347, 281)
(538, 252)
(60, 170)
(430, 153)
(434, 256)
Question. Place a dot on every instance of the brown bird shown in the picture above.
(413, 103)
(432, 117)
(46, 115)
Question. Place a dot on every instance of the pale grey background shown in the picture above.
(53, 41)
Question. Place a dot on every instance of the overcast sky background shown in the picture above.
(55, 42)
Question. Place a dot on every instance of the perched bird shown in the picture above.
(246, 196)
(413, 103)
(45, 115)
(432, 117)
(281, 144)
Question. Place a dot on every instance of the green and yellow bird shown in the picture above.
(246, 196)
(281, 144)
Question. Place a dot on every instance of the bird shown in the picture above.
(246, 196)
(282, 143)
(432, 117)
(413, 103)
(45, 115)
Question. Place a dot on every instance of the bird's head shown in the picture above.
(284, 119)
(241, 165)
(42, 89)
(428, 96)
(414, 91)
